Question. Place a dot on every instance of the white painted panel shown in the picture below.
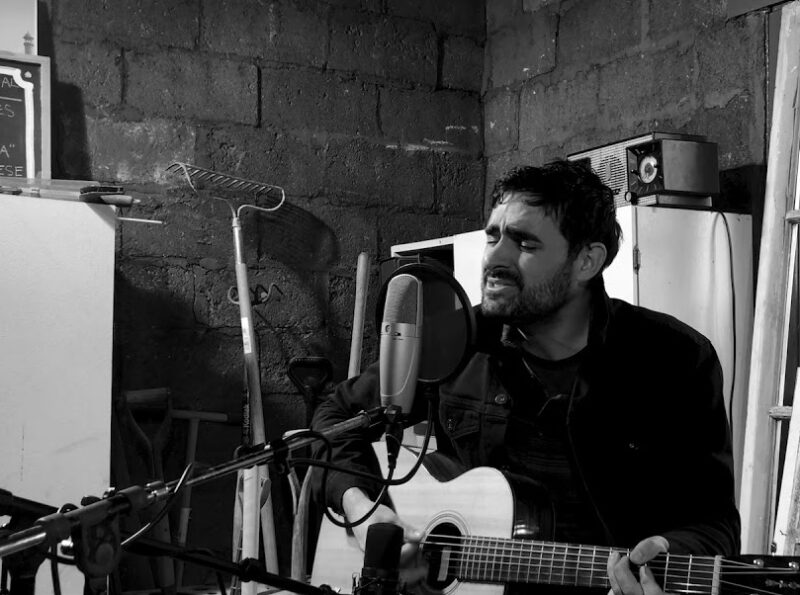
(468, 262)
(619, 277)
(686, 271)
(56, 317)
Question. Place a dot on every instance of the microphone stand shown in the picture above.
(21, 567)
(247, 570)
(95, 526)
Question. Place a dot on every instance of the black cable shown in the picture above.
(385, 482)
(327, 465)
(54, 560)
(220, 583)
(60, 559)
(349, 525)
(184, 477)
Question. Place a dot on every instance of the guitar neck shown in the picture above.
(495, 560)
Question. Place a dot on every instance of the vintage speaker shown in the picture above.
(610, 162)
(672, 167)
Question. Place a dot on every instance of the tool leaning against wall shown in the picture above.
(253, 509)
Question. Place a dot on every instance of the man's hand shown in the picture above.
(619, 570)
(356, 504)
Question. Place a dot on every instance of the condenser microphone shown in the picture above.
(380, 573)
(400, 348)
(401, 342)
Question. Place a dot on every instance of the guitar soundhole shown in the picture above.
(442, 550)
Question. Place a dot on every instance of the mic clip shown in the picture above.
(394, 432)
(393, 414)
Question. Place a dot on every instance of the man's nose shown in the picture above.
(500, 253)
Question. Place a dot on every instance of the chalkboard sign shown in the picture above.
(24, 116)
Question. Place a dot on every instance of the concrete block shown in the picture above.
(551, 114)
(199, 365)
(361, 173)
(534, 5)
(595, 32)
(501, 13)
(501, 120)
(353, 228)
(294, 163)
(524, 49)
(287, 31)
(596, 136)
(649, 86)
(278, 347)
(93, 68)
(737, 127)
(403, 228)
(462, 63)
(459, 185)
(211, 307)
(297, 238)
(342, 300)
(465, 17)
(387, 47)
(299, 302)
(133, 151)
(318, 102)
(684, 16)
(447, 120)
(136, 24)
(497, 165)
(155, 291)
(366, 5)
(191, 86)
(731, 61)
(197, 228)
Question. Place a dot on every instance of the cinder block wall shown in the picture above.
(367, 113)
(566, 76)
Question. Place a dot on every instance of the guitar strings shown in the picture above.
(497, 545)
(567, 563)
(575, 562)
(456, 568)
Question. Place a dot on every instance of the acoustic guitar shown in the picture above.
(477, 540)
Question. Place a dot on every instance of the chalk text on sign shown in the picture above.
(12, 171)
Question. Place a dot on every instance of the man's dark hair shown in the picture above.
(574, 196)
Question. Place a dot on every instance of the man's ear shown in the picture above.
(590, 260)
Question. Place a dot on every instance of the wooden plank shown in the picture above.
(759, 461)
(786, 533)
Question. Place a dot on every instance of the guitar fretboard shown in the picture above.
(495, 560)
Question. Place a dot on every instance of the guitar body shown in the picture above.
(481, 502)
(478, 537)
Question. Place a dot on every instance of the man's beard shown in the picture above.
(530, 304)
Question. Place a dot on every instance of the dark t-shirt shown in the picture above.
(537, 447)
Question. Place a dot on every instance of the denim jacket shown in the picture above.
(646, 425)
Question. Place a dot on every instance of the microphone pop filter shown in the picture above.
(447, 317)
